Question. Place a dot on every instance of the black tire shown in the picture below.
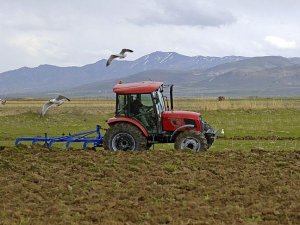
(124, 136)
(191, 139)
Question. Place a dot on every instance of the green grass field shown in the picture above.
(265, 121)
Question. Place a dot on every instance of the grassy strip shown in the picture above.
(21, 118)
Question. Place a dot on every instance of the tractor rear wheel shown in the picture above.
(124, 136)
(191, 139)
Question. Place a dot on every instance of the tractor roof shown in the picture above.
(137, 87)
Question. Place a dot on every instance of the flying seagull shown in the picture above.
(121, 55)
(53, 102)
(2, 101)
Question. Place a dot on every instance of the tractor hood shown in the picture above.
(175, 119)
(181, 114)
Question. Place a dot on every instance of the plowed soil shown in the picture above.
(40, 186)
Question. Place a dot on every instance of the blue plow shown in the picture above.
(82, 137)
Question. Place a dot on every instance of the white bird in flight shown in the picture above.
(121, 55)
(53, 102)
(2, 101)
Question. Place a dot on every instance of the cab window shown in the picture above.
(121, 105)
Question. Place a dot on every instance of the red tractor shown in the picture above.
(143, 118)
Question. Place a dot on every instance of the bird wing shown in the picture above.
(125, 50)
(111, 59)
(45, 108)
(61, 97)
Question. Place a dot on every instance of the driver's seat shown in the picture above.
(135, 107)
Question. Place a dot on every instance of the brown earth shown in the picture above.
(40, 186)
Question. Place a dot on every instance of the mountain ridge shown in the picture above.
(194, 75)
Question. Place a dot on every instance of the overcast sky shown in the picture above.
(79, 32)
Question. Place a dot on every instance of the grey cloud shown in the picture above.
(189, 13)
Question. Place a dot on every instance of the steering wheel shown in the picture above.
(149, 108)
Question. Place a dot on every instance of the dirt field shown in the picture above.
(40, 186)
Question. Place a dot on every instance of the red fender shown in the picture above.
(112, 121)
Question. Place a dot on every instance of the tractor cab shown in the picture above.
(142, 102)
(142, 107)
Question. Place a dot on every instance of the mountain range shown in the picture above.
(192, 76)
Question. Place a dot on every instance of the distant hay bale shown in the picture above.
(221, 98)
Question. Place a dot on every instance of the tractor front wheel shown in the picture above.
(124, 137)
(191, 139)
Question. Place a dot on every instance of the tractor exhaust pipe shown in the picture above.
(171, 96)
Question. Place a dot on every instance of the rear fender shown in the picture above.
(115, 120)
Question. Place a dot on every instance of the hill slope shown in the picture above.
(259, 76)
(48, 77)
(192, 76)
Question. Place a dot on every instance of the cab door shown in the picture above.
(142, 109)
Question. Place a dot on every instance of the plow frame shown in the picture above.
(68, 139)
